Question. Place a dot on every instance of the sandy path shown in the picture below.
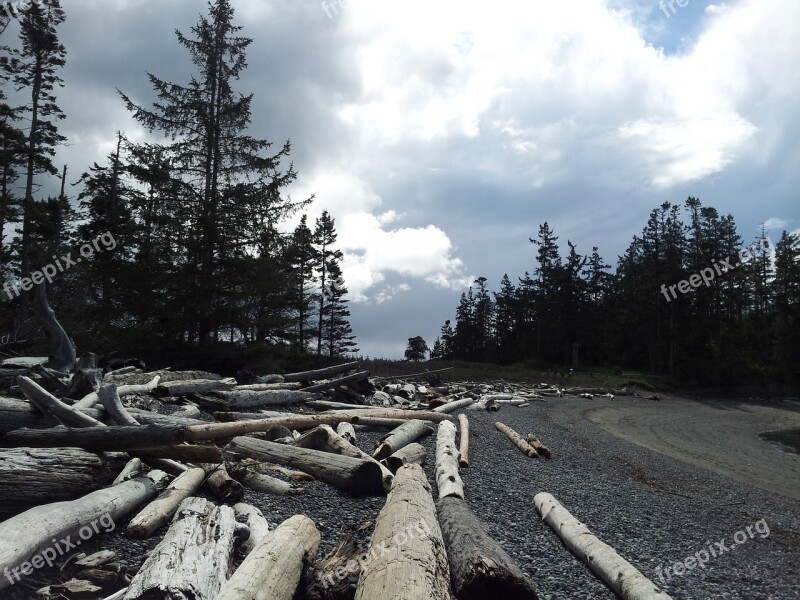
(721, 436)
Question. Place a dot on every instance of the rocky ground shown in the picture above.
(655, 509)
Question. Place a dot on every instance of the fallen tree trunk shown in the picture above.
(537, 444)
(52, 406)
(448, 480)
(402, 436)
(306, 376)
(33, 531)
(517, 440)
(346, 380)
(335, 576)
(356, 476)
(347, 431)
(193, 559)
(455, 405)
(109, 398)
(621, 576)
(193, 386)
(230, 416)
(463, 447)
(191, 453)
(479, 567)
(324, 438)
(90, 400)
(256, 523)
(260, 482)
(329, 405)
(160, 510)
(274, 567)
(412, 454)
(221, 484)
(251, 399)
(33, 476)
(407, 558)
(131, 469)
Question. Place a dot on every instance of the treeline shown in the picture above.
(199, 257)
(687, 299)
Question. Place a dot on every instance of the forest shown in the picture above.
(201, 256)
(735, 319)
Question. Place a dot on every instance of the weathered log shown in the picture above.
(33, 476)
(260, 482)
(517, 440)
(537, 444)
(221, 484)
(621, 576)
(90, 400)
(448, 480)
(193, 559)
(52, 406)
(112, 404)
(306, 376)
(230, 417)
(62, 357)
(346, 430)
(463, 446)
(479, 567)
(33, 531)
(455, 405)
(260, 387)
(256, 523)
(131, 469)
(356, 476)
(335, 576)
(346, 380)
(324, 438)
(407, 558)
(329, 405)
(249, 399)
(193, 386)
(414, 453)
(187, 453)
(402, 436)
(274, 567)
(160, 510)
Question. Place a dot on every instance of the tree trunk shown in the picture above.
(62, 358)
(537, 444)
(621, 576)
(347, 431)
(319, 374)
(479, 567)
(193, 559)
(33, 531)
(407, 558)
(414, 453)
(52, 406)
(329, 405)
(221, 484)
(451, 406)
(260, 482)
(517, 440)
(31, 476)
(356, 476)
(402, 436)
(325, 439)
(448, 480)
(256, 523)
(335, 576)
(273, 569)
(463, 448)
(235, 399)
(193, 386)
(346, 380)
(90, 400)
(160, 510)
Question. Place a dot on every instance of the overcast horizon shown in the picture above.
(439, 136)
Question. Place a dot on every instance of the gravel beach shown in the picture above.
(654, 509)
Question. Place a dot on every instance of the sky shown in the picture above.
(440, 135)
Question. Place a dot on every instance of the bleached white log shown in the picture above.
(273, 569)
(621, 576)
(414, 453)
(517, 440)
(403, 435)
(448, 479)
(455, 405)
(347, 431)
(407, 557)
(255, 521)
(162, 508)
(90, 400)
(463, 441)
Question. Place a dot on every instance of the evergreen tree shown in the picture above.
(417, 349)
(302, 260)
(325, 256)
(339, 338)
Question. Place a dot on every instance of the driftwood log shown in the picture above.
(537, 444)
(160, 510)
(401, 436)
(32, 532)
(274, 567)
(407, 558)
(448, 479)
(235, 399)
(414, 453)
(463, 441)
(332, 383)
(517, 440)
(347, 431)
(221, 485)
(356, 476)
(256, 523)
(193, 559)
(479, 567)
(260, 482)
(317, 375)
(33, 476)
(621, 576)
(93, 398)
(335, 576)
(455, 405)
